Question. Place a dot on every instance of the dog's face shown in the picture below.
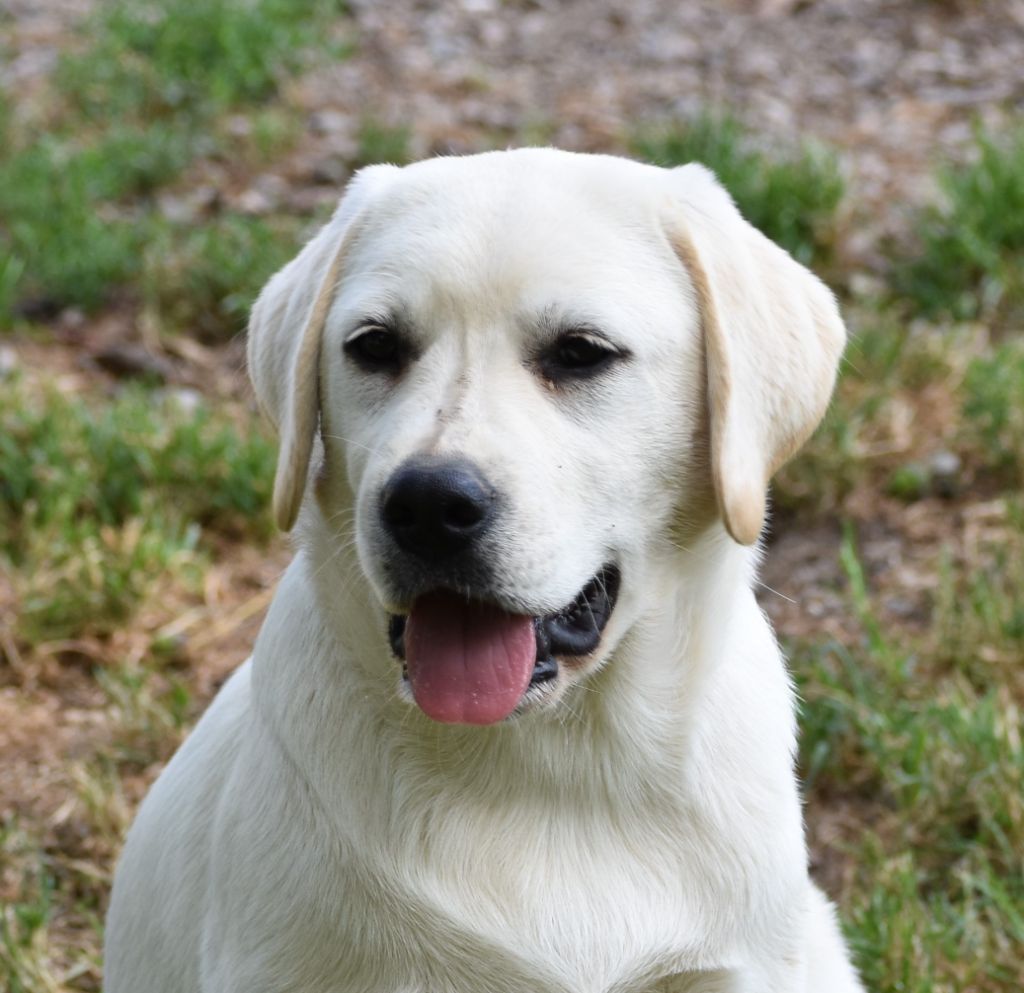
(531, 370)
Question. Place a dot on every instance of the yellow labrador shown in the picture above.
(514, 723)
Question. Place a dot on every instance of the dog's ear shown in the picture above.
(285, 329)
(772, 341)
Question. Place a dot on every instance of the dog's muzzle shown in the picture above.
(472, 662)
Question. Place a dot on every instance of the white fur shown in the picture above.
(639, 828)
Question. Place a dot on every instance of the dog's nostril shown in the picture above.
(435, 507)
(464, 512)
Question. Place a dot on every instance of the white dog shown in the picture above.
(514, 723)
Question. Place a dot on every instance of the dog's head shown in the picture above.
(530, 370)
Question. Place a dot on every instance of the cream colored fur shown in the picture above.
(639, 829)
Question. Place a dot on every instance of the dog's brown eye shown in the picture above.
(577, 356)
(377, 349)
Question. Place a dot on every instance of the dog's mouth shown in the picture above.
(472, 662)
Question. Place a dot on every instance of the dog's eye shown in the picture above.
(577, 356)
(377, 349)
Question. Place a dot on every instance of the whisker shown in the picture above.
(340, 514)
(349, 441)
(776, 592)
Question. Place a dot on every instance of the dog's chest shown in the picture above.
(572, 908)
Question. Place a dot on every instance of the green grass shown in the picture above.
(979, 612)
(886, 370)
(60, 248)
(970, 257)
(791, 194)
(380, 142)
(135, 106)
(993, 410)
(150, 710)
(100, 504)
(24, 919)
(203, 278)
(881, 425)
(162, 58)
(896, 726)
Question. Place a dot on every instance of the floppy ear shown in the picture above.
(772, 341)
(285, 330)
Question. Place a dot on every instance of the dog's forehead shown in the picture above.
(517, 229)
(532, 178)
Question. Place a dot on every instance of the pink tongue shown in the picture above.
(469, 663)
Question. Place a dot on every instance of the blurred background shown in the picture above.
(160, 158)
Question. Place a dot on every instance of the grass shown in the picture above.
(161, 59)
(993, 409)
(792, 195)
(60, 249)
(883, 417)
(913, 729)
(202, 279)
(969, 262)
(26, 913)
(379, 142)
(54, 882)
(132, 109)
(100, 505)
(107, 508)
(979, 615)
(905, 394)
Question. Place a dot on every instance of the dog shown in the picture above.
(514, 722)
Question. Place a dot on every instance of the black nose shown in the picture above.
(435, 507)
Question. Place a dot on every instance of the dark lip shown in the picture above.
(575, 630)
